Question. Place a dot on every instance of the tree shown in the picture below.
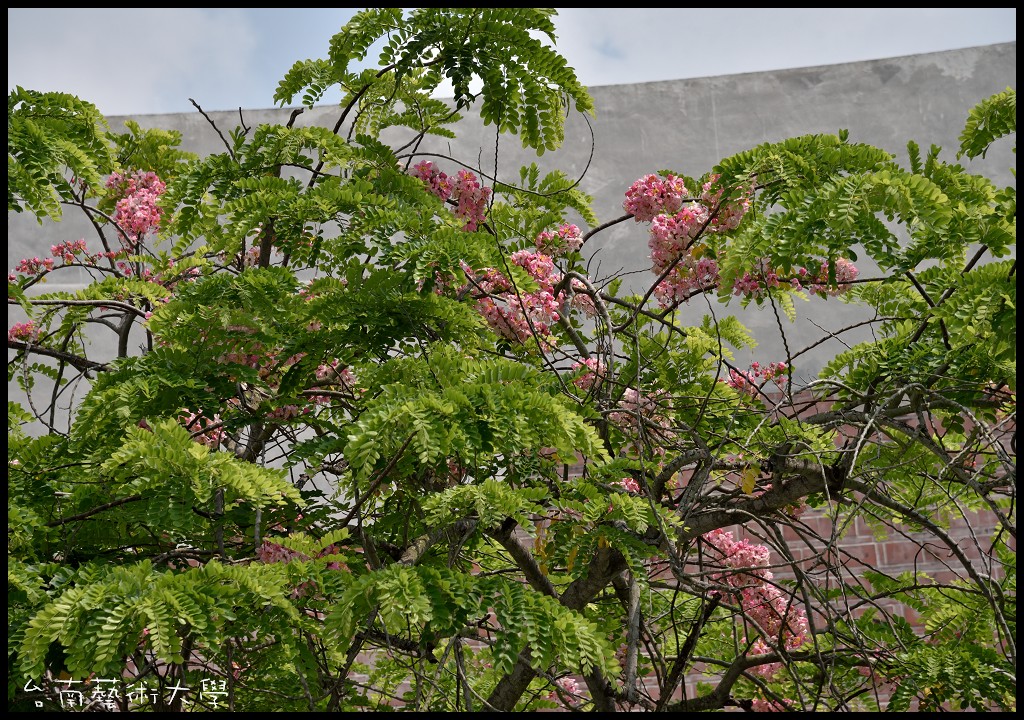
(384, 441)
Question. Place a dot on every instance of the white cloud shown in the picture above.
(152, 58)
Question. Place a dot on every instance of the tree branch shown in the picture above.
(94, 511)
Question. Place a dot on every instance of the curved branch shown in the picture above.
(79, 363)
(522, 558)
(603, 567)
(94, 511)
(418, 547)
(231, 151)
(85, 303)
(984, 584)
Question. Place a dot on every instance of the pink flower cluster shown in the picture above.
(511, 314)
(675, 229)
(271, 552)
(750, 382)
(250, 258)
(756, 283)
(68, 251)
(689, 276)
(581, 300)
(26, 332)
(638, 409)
(567, 238)
(637, 406)
(846, 273)
(628, 484)
(287, 412)
(540, 267)
(592, 370)
(672, 235)
(748, 578)
(241, 358)
(269, 362)
(469, 196)
(729, 215)
(760, 705)
(329, 373)
(436, 181)
(136, 211)
(567, 685)
(240, 350)
(212, 431)
(652, 195)
(31, 266)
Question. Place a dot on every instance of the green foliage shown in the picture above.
(965, 677)
(441, 601)
(164, 459)
(106, 612)
(490, 502)
(54, 142)
(992, 118)
(527, 85)
(152, 149)
(476, 410)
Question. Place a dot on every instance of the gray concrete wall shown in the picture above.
(684, 125)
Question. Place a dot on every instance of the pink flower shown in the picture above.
(672, 235)
(568, 686)
(636, 406)
(628, 484)
(271, 552)
(594, 369)
(437, 182)
(33, 266)
(136, 211)
(520, 316)
(846, 273)
(687, 278)
(471, 198)
(750, 382)
(756, 283)
(26, 332)
(760, 705)
(775, 614)
(567, 238)
(286, 412)
(194, 422)
(654, 194)
(729, 214)
(68, 250)
(581, 300)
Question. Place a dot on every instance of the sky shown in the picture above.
(135, 61)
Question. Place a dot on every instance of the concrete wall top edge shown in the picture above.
(921, 57)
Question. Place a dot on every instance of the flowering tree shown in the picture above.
(375, 437)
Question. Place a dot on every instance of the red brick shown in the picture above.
(861, 554)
